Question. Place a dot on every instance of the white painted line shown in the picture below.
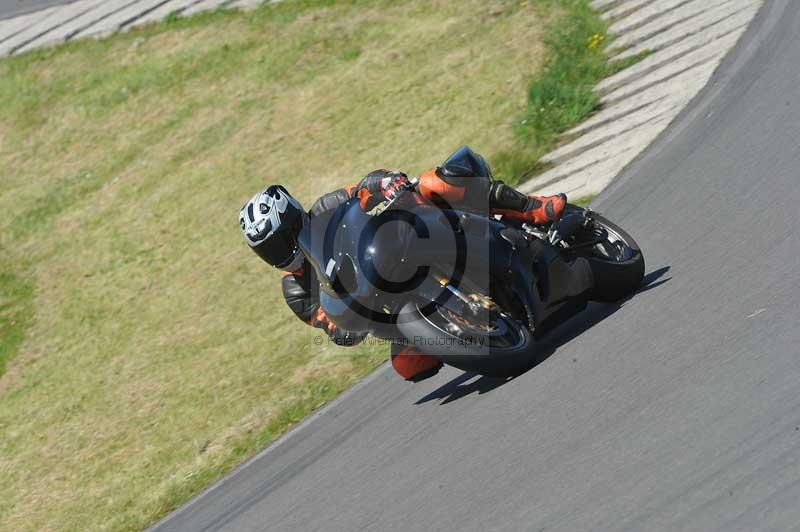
(718, 9)
(116, 20)
(756, 313)
(630, 140)
(7, 27)
(13, 26)
(602, 4)
(596, 175)
(642, 16)
(204, 5)
(574, 183)
(93, 16)
(680, 86)
(651, 109)
(610, 133)
(627, 7)
(731, 11)
(246, 4)
(161, 12)
(714, 52)
(672, 53)
(593, 180)
(58, 17)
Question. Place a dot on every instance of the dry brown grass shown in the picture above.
(161, 352)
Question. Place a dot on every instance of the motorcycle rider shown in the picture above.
(272, 219)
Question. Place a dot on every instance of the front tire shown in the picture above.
(617, 263)
(506, 351)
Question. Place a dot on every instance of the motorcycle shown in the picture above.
(475, 291)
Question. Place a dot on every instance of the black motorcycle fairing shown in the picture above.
(362, 263)
(367, 264)
(370, 266)
(561, 288)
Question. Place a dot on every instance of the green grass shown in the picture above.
(146, 350)
(562, 96)
(16, 313)
(583, 201)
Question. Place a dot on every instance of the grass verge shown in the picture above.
(583, 201)
(563, 94)
(16, 313)
(128, 297)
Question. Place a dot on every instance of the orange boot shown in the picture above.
(538, 209)
(414, 366)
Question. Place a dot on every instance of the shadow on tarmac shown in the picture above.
(464, 384)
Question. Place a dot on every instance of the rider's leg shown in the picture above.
(484, 194)
(510, 202)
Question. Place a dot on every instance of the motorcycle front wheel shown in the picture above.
(497, 346)
(616, 260)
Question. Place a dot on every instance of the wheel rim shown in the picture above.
(499, 331)
(615, 248)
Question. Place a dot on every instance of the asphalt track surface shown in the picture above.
(678, 410)
(13, 8)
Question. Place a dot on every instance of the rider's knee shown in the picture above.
(439, 190)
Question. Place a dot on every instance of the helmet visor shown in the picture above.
(278, 251)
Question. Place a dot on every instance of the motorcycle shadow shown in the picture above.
(464, 384)
(460, 387)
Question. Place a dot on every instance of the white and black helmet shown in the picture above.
(270, 222)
